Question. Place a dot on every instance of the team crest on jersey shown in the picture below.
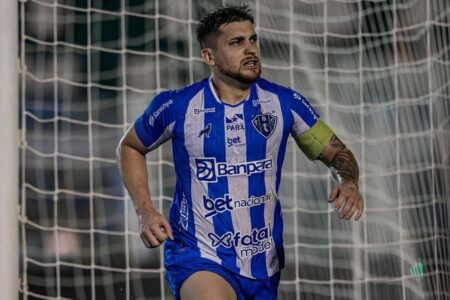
(265, 124)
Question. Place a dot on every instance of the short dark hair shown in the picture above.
(209, 25)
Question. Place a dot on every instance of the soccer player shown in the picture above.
(224, 236)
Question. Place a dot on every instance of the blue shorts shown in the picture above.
(184, 264)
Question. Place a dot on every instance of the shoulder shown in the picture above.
(285, 95)
(188, 92)
(273, 87)
(177, 99)
(291, 101)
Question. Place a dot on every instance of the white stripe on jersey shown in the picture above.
(300, 126)
(167, 134)
(238, 185)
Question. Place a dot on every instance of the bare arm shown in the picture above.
(338, 157)
(345, 169)
(154, 227)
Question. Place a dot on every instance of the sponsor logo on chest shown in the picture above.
(235, 123)
(207, 169)
(257, 102)
(259, 240)
(198, 111)
(227, 203)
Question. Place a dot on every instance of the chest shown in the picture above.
(233, 133)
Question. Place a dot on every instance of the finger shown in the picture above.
(334, 193)
(340, 203)
(156, 231)
(167, 228)
(348, 206)
(353, 210)
(148, 235)
(360, 210)
(163, 230)
(143, 236)
(145, 241)
(160, 234)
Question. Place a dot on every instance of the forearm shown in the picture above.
(342, 162)
(345, 168)
(133, 169)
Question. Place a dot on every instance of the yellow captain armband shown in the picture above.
(313, 141)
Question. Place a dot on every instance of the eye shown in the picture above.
(236, 42)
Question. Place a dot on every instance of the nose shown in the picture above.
(251, 47)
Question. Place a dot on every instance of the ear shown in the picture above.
(208, 57)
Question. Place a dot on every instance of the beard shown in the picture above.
(240, 76)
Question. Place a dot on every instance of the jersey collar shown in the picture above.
(251, 95)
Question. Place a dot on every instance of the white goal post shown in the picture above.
(9, 150)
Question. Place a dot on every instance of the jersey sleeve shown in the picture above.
(310, 133)
(155, 125)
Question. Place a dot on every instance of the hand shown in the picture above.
(349, 200)
(154, 228)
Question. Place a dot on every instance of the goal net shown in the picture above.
(377, 71)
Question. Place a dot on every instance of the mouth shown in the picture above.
(251, 63)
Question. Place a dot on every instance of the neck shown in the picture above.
(230, 90)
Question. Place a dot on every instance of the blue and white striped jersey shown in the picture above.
(228, 161)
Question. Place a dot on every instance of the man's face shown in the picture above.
(236, 52)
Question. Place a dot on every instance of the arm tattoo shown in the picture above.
(343, 165)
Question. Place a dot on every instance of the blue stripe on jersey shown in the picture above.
(278, 234)
(278, 217)
(181, 213)
(255, 181)
(215, 147)
(181, 210)
(288, 122)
